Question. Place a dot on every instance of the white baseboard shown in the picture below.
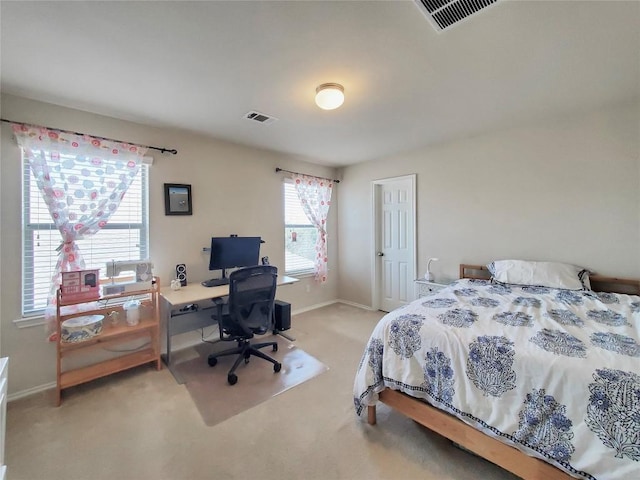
(330, 302)
(313, 307)
(354, 304)
(30, 391)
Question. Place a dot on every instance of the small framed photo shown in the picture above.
(80, 285)
(177, 199)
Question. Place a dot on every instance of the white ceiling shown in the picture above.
(201, 66)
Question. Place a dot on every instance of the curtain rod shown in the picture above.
(278, 169)
(160, 149)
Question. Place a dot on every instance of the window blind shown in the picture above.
(125, 237)
(299, 233)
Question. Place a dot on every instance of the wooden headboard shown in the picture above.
(599, 283)
(480, 272)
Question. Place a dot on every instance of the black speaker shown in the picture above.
(283, 315)
(181, 274)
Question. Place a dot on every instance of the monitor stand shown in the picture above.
(216, 282)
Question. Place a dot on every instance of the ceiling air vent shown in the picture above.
(260, 117)
(443, 14)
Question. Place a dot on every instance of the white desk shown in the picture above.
(181, 319)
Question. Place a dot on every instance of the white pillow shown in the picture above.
(540, 274)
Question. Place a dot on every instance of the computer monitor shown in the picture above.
(234, 252)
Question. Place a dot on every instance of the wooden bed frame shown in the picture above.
(448, 426)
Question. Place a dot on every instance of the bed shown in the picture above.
(544, 382)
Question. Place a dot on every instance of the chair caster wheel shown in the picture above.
(275, 347)
(212, 361)
(232, 378)
(277, 367)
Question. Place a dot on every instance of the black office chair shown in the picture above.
(246, 312)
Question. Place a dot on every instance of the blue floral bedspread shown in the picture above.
(555, 373)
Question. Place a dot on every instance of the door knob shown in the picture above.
(380, 254)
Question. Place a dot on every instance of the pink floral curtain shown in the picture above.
(315, 196)
(82, 180)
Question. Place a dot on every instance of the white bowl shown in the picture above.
(79, 329)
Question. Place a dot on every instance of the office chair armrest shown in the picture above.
(220, 300)
(218, 316)
(222, 308)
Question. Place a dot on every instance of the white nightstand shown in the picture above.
(424, 288)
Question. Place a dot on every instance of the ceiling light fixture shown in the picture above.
(329, 96)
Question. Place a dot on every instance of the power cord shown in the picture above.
(124, 350)
(205, 340)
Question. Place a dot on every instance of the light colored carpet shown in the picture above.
(217, 401)
(142, 424)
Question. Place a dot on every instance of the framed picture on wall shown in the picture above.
(177, 199)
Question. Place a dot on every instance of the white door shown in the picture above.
(394, 256)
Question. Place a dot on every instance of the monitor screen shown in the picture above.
(232, 252)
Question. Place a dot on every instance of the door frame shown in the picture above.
(376, 281)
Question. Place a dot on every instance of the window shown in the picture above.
(125, 237)
(299, 235)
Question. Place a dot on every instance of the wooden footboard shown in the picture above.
(448, 426)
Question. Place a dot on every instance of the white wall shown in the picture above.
(566, 190)
(235, 190)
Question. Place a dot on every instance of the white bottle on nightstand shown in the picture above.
(429, 276)
(428, 286)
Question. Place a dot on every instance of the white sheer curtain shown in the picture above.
(82, 180)
(315, 196)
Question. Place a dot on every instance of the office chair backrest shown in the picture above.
(252, 291)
